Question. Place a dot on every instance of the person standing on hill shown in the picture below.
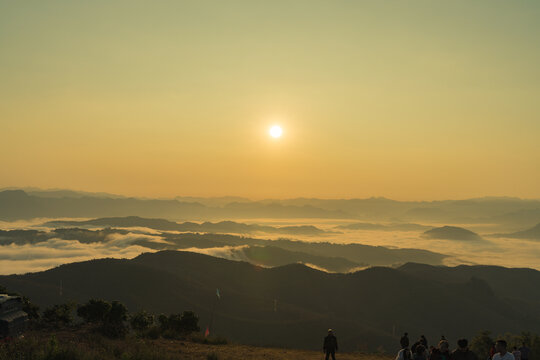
(423, 341)
(463, 352)
(404, 341)
(404, 353)
(330, 345)
(502, 354)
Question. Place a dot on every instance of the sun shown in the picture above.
(276, 131)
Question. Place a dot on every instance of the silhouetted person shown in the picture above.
(441, 351)
(462, 352)
(420, 353)
(404, 341)
(421, 341)
(524, 350)
(330, 345)
(502, 354)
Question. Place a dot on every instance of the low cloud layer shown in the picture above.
(235, 253)
(54, 251)
(16, 259)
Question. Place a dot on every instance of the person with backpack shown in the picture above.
(330, 345)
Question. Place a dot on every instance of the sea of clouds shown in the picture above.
(17, 259)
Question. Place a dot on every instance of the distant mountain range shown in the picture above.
(17, 204)
(162, 224)
(383, 227)
(509, 212)
(531, 234)
(290, 306)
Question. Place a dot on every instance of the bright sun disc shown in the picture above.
(276, 131)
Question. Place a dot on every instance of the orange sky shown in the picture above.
(416, 100)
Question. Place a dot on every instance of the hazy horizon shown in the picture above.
(218, 196)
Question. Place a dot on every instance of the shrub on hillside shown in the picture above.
(114, 326)
(58, 315)
(141, 321)
(108, 317)
(176, 325)
(94, 311)
(481, 344)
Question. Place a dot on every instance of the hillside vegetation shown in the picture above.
(83, 344)
(289, 306)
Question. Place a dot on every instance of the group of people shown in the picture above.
(519, 354)
(420, 351)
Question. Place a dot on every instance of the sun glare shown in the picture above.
(276, 131)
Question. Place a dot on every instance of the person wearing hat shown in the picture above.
(330, 345)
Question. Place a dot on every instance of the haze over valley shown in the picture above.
(36, 233)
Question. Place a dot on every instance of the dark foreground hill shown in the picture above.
(290, 306)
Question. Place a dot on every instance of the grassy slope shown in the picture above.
(89, 345)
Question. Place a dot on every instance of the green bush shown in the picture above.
(95, 311)
(481, 344)
(141, 321)
(58, 315)
(178, 325)
(109, 317)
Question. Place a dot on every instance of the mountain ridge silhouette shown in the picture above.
(365, 305)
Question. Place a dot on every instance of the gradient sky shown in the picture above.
(403, 99)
